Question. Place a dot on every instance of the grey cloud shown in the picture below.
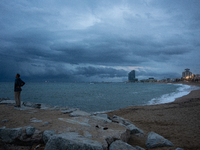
(101, 72)
(79, 34)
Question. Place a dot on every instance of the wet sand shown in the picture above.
(178, 121)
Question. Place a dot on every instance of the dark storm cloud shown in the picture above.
(102, 72)
(98, 38)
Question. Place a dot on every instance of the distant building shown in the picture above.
(186, 74)
(131, 76)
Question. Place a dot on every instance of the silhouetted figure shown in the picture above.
(17, 89)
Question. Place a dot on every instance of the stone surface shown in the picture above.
(103, 117)
(77, 120)
(120, 145)
(7, 102)
(139, 148)
(133, 129)
(118, 119)
(91, 131)
(9, 135)
(46, 123)
(35, 120)
(30, 131)
(5, 120)
(78, 113)
(33, 105)
(155, 140)
(72, 141)
(47, 134)
(68, 110)
(179, 148)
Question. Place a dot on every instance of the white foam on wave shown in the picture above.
(167, 98)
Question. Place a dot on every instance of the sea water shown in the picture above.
(97, 97)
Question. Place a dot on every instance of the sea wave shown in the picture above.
(181, 91)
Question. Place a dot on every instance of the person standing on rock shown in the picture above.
(17, 90)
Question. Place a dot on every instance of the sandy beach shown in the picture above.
(178, 121)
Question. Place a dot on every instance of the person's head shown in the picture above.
(17, 75)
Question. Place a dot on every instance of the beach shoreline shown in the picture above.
(177, 121)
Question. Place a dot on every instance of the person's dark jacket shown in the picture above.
(18, 84)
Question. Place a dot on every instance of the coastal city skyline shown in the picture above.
(187, 75)
(98, 41)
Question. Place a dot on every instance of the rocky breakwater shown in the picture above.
(83, 131)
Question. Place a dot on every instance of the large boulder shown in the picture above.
(72, 141)
(30, 131)
(155, 140)
(47, 135)
(120, 145)
(9, 135)
(133, 129)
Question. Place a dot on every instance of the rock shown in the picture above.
(30, 131)
(37, 136)
(87, 135)
(68, 110)
(8, 102)
(5, 120)
(155, 140)
(118, 119)
(134, 129)
(9, 135)
(139, 148)
(123, 136)
(33, 105)
(35, 120)
(179, 148)
(46, 123)
(103, 117)
(120, 145)
(78, 113)
(47, 134)
(77, 120)
(72, 141)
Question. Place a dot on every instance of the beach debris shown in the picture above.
(47, 135)
(119, 145)
(156, 140)
(30, 131)
(72, 141)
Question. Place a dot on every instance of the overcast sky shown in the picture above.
(98, 40)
